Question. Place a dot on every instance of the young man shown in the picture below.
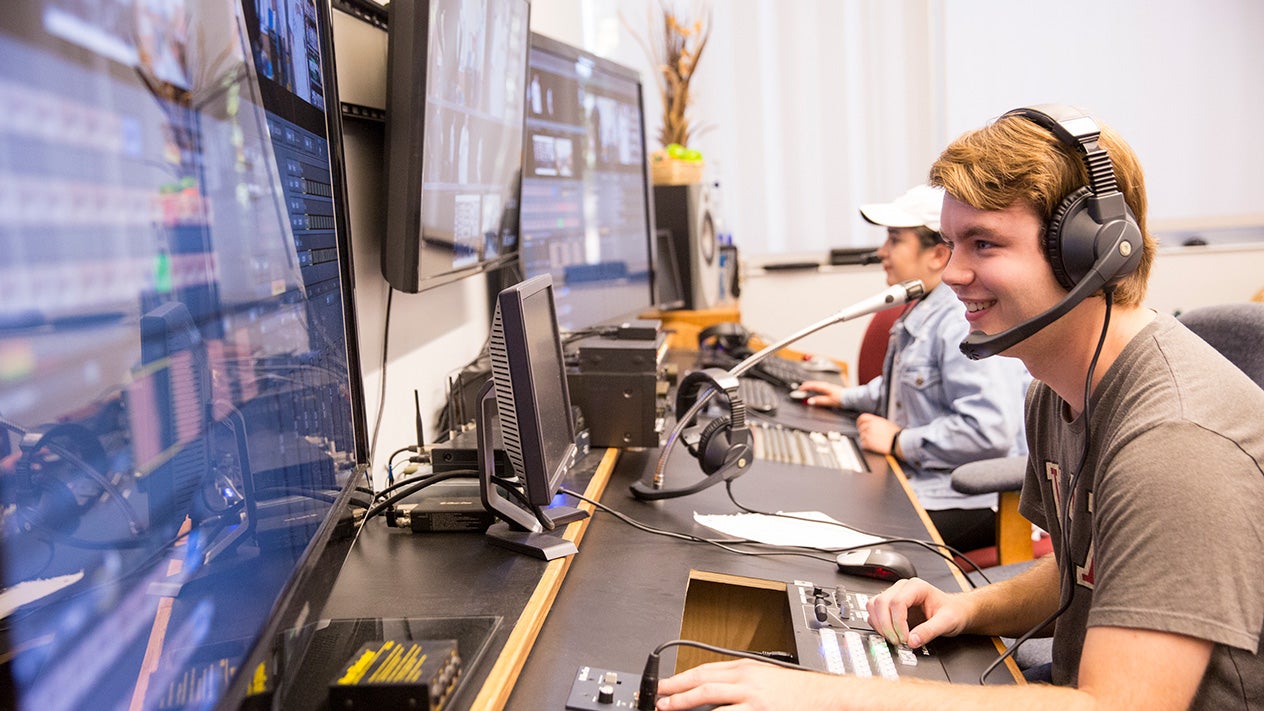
(933, 408)
(1164, 526)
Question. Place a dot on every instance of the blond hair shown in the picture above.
(1014, 160)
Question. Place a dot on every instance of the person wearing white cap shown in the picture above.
(933, 408)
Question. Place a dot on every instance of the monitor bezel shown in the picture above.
(317, 568)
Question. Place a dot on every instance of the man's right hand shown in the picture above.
(945, 614)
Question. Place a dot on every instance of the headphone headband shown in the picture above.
(1078, 131)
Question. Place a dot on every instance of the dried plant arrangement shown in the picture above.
(674, 47)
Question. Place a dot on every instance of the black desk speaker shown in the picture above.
(684, 212)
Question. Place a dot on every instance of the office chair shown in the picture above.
(1236, 330)
(873, 345)
(1002, 476)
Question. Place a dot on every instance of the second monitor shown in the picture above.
(528, 391)
(585, 214)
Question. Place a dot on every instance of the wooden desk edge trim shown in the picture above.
(1010, 664)
(500, 680)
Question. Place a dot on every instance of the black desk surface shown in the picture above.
(624, 593)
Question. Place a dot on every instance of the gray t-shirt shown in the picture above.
(1167, 520)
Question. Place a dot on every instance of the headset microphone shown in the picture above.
(1084, 223)
(980, 345)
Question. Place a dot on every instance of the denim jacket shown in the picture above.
(953, 410)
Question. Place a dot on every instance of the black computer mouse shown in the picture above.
(879, 563)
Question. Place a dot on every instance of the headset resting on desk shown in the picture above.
(730, 337)
(725, 448)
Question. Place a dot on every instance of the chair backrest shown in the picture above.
(1236, 330)
(873, 345)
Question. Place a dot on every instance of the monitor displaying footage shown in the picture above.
(455, 73)
(585, 189)
(179, 405)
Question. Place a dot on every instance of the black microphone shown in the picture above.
(980, 345)
(737, 463)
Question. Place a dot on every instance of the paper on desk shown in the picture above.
(783, 531)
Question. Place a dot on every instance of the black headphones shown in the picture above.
(728, 337)
(56, 489)
(724, 449)
(1092, 240)
(725, 439)
(1089, 223)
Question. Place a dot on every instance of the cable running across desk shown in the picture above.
(936, 548)
(721, 543)
(727, 543)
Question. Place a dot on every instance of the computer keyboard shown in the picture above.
(759, 395)
(833, 450)
(783, 373)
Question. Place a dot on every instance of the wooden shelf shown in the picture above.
(682, 327)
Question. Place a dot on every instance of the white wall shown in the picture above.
(822, 105)
(1181, 81)
(1185, 278)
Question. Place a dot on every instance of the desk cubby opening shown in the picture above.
(734, 612)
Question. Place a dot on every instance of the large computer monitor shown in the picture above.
(179, 392)
(586, 211)
(455, 73)
(529, 394)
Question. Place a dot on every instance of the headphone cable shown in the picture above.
(1066, 591)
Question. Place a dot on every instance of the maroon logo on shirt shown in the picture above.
(1084, 573)
(1053, 473)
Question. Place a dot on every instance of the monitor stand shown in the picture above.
(521, 530)
(544, 545)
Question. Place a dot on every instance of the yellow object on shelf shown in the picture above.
(666, 170)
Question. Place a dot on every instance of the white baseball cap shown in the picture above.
(919, 207)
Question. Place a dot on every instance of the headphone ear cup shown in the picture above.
(714, 445)
(1074, 241)
(1069, 251)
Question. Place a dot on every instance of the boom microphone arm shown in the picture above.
(901, 293)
